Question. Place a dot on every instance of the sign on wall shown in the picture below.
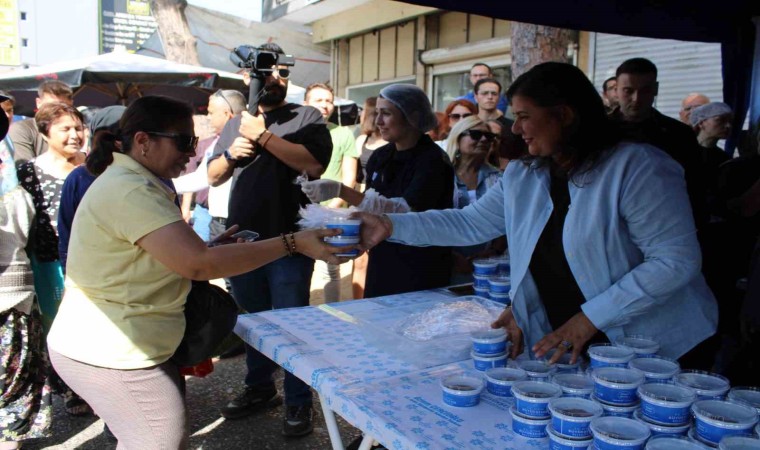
(10, 51)
(125, 24)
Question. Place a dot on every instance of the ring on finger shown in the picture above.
(567, 345)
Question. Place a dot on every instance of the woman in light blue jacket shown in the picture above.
(601, 233)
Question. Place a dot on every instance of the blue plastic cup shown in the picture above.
(608, 355)
(532, 398)
(666, 404)
(617, 385)
(619, 433)
(716, 419)
(571, 416)
(529, 427)
(462, 391)
(344, 241)
(350, 227)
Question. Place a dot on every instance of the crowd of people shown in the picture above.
(618, 221)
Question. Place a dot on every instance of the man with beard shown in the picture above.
(264, 154)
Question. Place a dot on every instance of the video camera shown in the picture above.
(259, 62)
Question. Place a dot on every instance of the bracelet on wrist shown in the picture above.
(285, 242)
(264, 138)
(228, 156)
(293, 243)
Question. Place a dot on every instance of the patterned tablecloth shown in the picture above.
(393, 400)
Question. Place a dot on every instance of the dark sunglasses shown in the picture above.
(459, 116)
(477, 135)
(220, 93)
(185, 143)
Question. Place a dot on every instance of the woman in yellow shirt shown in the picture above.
(131, 259)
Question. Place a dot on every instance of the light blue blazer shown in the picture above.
(629, 239)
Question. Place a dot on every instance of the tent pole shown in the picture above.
(754, 103)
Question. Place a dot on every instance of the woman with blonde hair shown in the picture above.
(469, 146)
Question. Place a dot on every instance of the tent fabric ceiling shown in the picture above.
(686, 20)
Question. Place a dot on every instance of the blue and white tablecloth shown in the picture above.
(395, 401)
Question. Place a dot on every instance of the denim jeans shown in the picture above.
(280, 284)
(201, 222)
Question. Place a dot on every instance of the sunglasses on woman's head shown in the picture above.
(477, 135)
(459, 116)
(185, 143)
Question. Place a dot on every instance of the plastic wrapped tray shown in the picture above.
(379, 328)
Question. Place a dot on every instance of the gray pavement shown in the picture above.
(208, 430)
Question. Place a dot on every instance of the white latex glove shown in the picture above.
(321, 190)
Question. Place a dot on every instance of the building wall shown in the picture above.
(55, 31)
(365, 62)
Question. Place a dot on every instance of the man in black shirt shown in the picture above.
(639, 121)
(264, 154)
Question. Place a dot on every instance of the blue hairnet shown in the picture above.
(413, 103)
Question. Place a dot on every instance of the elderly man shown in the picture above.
(27, 140)
(688, 104)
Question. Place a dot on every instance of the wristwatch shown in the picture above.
(228, 156)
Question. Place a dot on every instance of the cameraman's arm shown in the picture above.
(295, 156)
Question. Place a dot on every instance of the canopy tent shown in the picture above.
(119, 78)
(729, 22)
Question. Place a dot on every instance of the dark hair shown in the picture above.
(483, 81)
(50, 112)
(11, 98)
(271, 47)
(604, 85)
(151, 113)
(313, 86)
(639, 66)
(490, 70)
(55, 88)
(558, 84)
(370, 106)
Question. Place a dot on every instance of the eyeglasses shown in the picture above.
(477, 135)
(220, 93)
(185, 143)
(459, 116)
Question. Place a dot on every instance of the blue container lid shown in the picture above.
(705, 383)
(505, 375)
(536, 391)
(610, 353)
(574, 409)
(748, 395)
(656, 367)
(739, 443)
(574, 382)
(666, 394)
(485, 262)
(673, 443)
(672, 430)
(619, 430)
(724, 414)
(639, 344)
(535, 367)
(618, 376)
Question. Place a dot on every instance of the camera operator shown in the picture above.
(263, 154)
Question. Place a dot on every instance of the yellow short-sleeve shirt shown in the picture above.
(122, 308)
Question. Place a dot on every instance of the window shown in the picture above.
(23, 15)
(360, 93)
(24, 42)
(448, 87)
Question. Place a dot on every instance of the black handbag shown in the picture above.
(210, 316)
